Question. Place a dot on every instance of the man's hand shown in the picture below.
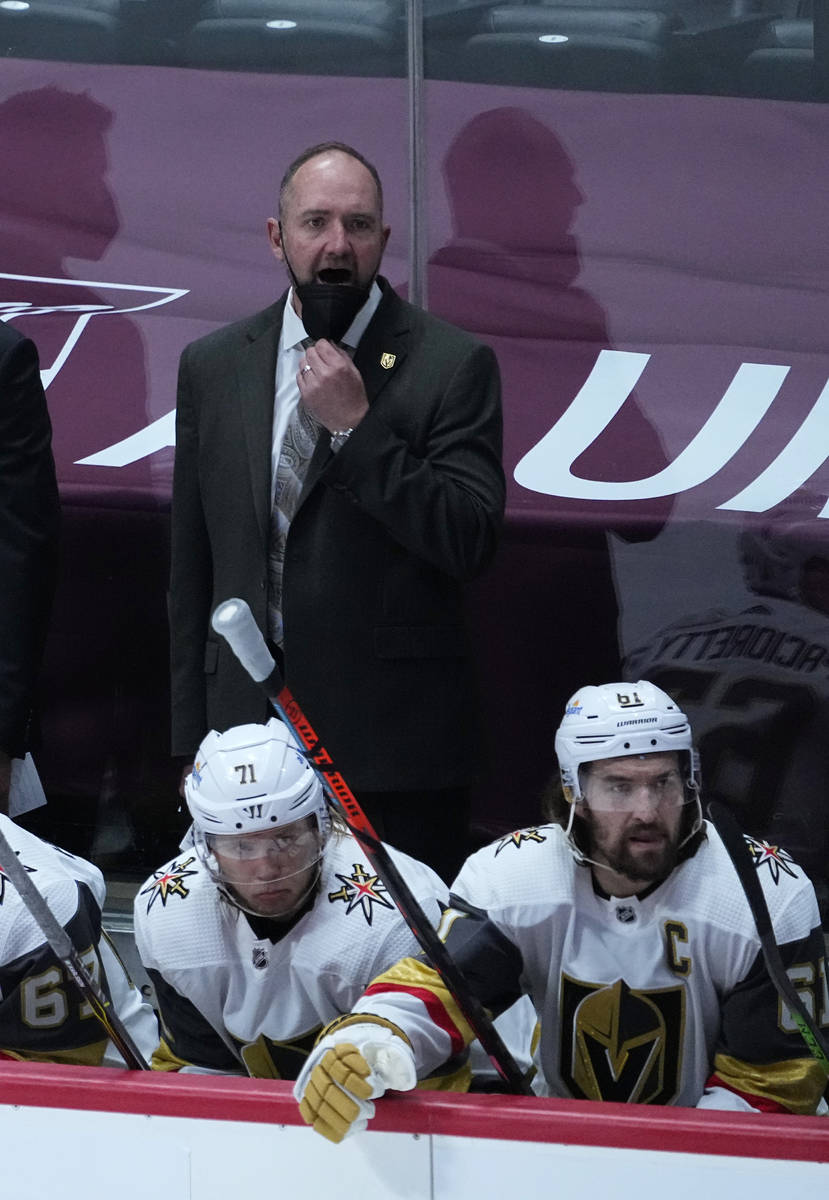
(332, 390)
(345, 1071)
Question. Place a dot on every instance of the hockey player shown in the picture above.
(273, 923)
(42, 1014)
(625, 923)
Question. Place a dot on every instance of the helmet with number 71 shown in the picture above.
(259, 816)
(621, 720)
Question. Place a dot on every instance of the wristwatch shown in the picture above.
(339, 437)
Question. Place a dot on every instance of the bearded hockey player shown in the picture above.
(625, 923)
(43, 1016)
(273, 923)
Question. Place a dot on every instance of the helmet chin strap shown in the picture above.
(582, 858)
(225, 887)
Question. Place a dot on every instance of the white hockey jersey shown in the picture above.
(235, 996)
(648, 1000)
(42, 1014)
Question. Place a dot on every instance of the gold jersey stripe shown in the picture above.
(412, 975)
(796, 1083)
(164, 1059)
(78, 1056)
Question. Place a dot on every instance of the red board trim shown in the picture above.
(511, 1118)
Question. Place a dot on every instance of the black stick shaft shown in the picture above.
(740, 856)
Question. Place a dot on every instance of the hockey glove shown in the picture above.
(345, 1071)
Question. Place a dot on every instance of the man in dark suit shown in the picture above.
(28, 540)
(398, 497)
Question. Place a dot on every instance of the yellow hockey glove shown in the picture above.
(345, 1071)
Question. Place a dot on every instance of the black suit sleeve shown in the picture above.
(28, 533)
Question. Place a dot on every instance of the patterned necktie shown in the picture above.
(294, 456)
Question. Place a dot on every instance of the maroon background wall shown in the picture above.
(607, 246)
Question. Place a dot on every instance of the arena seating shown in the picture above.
(782, 63)
(88, 32)
(305, 37)
(607, 49)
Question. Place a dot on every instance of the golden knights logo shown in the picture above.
(620, 1043)
(774, 857)
(517, 838)
(165, 883)
(361, 888)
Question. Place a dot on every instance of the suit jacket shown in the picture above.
(386, 531)
(28, 532)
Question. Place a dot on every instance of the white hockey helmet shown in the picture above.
(616, 720)
(252, 777)
(245, 781)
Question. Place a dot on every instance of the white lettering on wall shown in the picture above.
(147, 441)
(796, 462)
(547, 466)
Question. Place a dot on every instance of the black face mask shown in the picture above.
(329, 308)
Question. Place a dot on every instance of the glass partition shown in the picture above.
(626, 200)
(704, 47)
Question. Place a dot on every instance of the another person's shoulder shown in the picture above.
(49, 865)
(9, 337)
(529, 866)
(710, 884)
(177, 906)
(349, 881)
(70, 885)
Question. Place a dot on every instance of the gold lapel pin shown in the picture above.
(387, 361)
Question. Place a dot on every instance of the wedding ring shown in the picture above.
(306, 368)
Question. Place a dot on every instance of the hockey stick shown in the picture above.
(234, 621)
(65, 952)
(735, 844)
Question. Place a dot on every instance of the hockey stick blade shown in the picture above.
(65, 952)
(738, 852)
(234, 621)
